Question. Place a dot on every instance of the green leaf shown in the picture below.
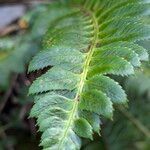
(52, 57)
(97, 102)
(124, 52)
(54, 79)
(110, 65)
(83, 128)
(90, 40)
(112, 89)
(93, 119)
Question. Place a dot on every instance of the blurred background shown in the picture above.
(22, 25)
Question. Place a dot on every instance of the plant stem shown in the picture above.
(134, 121)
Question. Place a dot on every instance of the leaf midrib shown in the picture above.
(83, 76)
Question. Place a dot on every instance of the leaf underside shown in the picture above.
(85, 42)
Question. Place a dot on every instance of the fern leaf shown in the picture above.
(87, 42)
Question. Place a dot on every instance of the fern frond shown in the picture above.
(84, 44)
